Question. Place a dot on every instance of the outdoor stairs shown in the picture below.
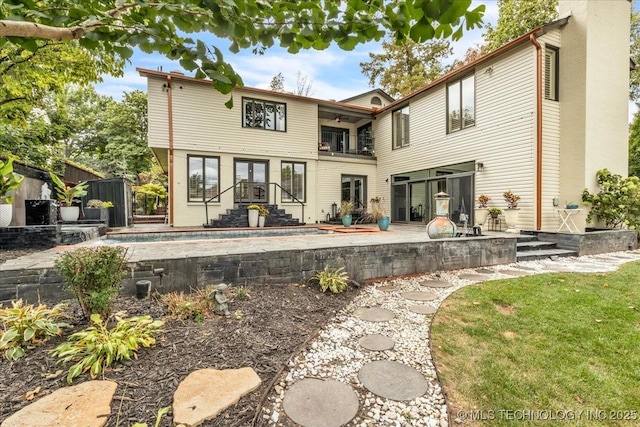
(529, 248)
(238, 217)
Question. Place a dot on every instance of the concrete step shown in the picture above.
(534, 245)
(543, 254)
(527, 238)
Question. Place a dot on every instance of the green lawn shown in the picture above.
(514, 352)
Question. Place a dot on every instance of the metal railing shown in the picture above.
(344, 143)
(261, 187)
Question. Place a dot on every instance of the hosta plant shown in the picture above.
(28, 325)
(96, 348)
(336, 280)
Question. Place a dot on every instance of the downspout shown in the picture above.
(535, 42)
(170, 119)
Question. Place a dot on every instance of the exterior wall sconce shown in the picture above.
(479, 167)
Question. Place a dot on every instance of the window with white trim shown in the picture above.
(461, 104)
(401, 127)
(551, 67)
(202, 176)
(293, 180)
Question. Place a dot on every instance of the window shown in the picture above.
(376, 101)
(401, 127)
(263, 115)
(461, 99)
(293, 176)
(203, 178)
(551, 73)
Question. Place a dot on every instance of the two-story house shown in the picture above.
(538, 116)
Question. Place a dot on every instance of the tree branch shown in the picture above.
(6, 101)
(31, 29)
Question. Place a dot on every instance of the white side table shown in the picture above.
(566, 219)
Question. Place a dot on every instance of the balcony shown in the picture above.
(334, 142)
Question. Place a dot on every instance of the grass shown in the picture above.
(552, 342)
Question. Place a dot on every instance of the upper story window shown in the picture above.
(401, 127)
(267, 115)
(461, 104)
(202, 174)
(551, 67)
(376, 101)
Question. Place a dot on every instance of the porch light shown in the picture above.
(479, 167)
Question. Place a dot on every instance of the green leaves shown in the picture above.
(336, 281)
(9, 180)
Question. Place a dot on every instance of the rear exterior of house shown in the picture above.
(538, 116)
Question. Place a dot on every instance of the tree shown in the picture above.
(404, 67)
(277, 83)
(634, 86)
(304, 85)
(634, 146)
(159, 26)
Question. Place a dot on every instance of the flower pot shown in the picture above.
(6, 213)
(97, 214)
(69, 213)
(511, 219)
(346, 220)
(261, 220)
(383, 223)
(480, 215)
(253, 217)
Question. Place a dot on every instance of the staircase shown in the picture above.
(529, 248)
(238, 217)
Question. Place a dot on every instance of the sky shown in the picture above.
(334, 73)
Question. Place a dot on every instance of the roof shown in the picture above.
(379, 92)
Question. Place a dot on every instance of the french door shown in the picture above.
(251, 180)
(354, 188)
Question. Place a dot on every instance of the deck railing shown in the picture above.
(344, 143)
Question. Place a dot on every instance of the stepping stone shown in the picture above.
(436, 283)
(84, 404)
(422, 309)
(485, 271)
(515, 273)
(386, 288)
(419, 296)
(524, 267)
(473, 277)
(316, 403)
(374, 314)
(205, 393)
(376, 342)
(392, 380)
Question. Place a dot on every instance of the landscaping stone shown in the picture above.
(484, 270)
(515, 273)
(473, 277)
(376, 342)
(316, 403)
(374, 314)
(386, 288)
(419, 296)
(392, 380)
(422, 309)
(87, 404)
(205, 393)
(436, 283)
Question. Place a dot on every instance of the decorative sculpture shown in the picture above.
(45, 192)
(441, 226)
(220, 299)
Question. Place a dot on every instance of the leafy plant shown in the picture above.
(67, 194)
(96, 348)
(161, 413)
(241, 293)
(94, 276)
(96, 203)
(376, 210)
(25, 325)
(9, 180)
(336, 281)
(495, 211)
(483, 201)
(511, 199)
(617, 203)
(263, 211)
(346, 207)
(253, 207)
(189, 306)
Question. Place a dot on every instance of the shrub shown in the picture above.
(617, 203)
(511, 199)
(336, 281)
(495, 211)
(94, 276)
(96, 348)
(189, 306)
(97, 203)
(28, 325)
(346, 207)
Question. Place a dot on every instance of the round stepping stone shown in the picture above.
(376, 342)
(484, 270)
(436, 283)
(474, 277)
(392, 380)
(386, 288)
(374, 314)
(419, 296)
(422, 309)
(316, 403)
(515, 273)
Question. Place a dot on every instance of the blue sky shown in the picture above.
(334, 73)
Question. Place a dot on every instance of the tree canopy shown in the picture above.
(118, 26)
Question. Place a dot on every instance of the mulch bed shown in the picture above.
(275, 321)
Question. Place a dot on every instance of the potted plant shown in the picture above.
(98, 210)
(378, 213)
(253, 211)
(481, 212)
(67, 195)
(494, 212)
(346, 208)
(9, 181)
(263, 212)
(511, 214)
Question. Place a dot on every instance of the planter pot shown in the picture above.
(383, 223)
(346, 220)
(480, 215)
(253, 217)
(511, 219)
(97, 214)
(6, 213)
(261, 220)
(69, 213)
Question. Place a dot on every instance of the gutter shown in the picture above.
(170, 119)
(534, 41)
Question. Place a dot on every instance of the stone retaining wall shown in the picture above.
(593, 242)
(33, 236)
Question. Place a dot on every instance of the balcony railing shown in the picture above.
(344, 143)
